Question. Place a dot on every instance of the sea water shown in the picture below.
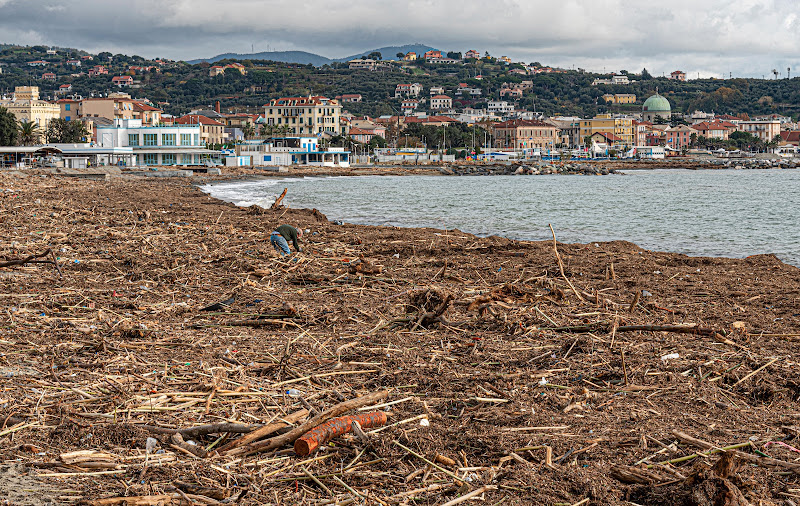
(730, 213)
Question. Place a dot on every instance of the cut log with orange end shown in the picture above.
(321, 434)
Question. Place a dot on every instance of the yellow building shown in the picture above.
(622, 128)
(26, 106)
(620, 98)
(304, 115)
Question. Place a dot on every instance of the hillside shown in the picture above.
(180, 86)
(300, 57)
(390, 52)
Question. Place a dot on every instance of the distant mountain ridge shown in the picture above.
(306, 58)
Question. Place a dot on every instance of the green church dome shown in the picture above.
(656, 103)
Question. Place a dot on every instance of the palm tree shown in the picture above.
(28, 133)
(248, 130)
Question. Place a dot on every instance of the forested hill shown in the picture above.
(306, 58)
(300, 57)
(179, 86)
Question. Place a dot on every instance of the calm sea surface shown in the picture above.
(731, 213)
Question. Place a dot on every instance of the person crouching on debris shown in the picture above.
(282, 235)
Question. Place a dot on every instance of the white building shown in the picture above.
(500, 107)
(292, 151)
(407, 90)
(439, 102)
(764, 130)
(159, 145)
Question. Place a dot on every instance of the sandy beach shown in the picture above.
(513, 372)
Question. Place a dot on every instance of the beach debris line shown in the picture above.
(498, 382)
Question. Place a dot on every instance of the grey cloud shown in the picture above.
(713, 37)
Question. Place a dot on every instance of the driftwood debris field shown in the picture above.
(155, 350)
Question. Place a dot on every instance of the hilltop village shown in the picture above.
(106, 109)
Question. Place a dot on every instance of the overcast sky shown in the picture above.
(709, 37)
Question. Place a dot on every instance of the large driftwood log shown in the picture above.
(292, 435)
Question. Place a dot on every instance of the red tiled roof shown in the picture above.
(516, 123)
(141, 106)
(440, 97)
(194, 119)
(294, 101)
(359, 131)
(792, 136)
(609, 136)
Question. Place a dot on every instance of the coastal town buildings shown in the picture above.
(656, 108)
(305, 115)
(26, 106)
(500, 107)
(439, 102)
(621, 127)
(154, 145)
(619, 98)
(524, 135)
(302, 150)
(211, 131)
(765, 130)
(678, 137)
(716, 129)
(114, 106)
(407, 90)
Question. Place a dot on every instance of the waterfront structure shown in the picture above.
(155, 145)
(439, 102)
(678, 137)
(522, 135)
(292, 151)
(765, 130)
(621, 127)
(305, 115)
(211, 131)
(607, 140)
(26, 106)
(569, 130)
(656, 107)
(407, 90)
(716, 129)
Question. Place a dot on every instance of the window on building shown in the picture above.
(133, 139)
(67, 118)
(66, 107)
(186, 139)
(196, 139)
(168, 140)
(150, 158)
(168, 159)
(150, 139)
